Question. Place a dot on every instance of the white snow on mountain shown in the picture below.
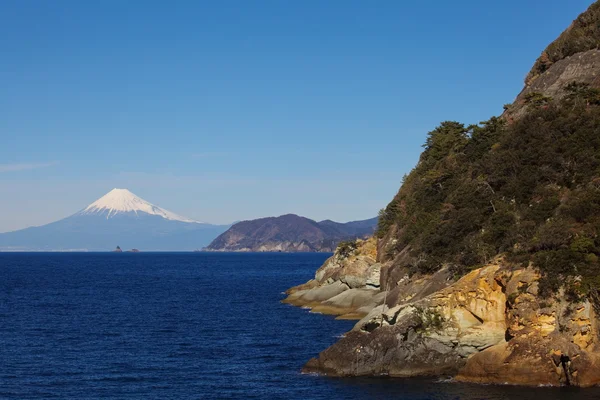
(123, 201)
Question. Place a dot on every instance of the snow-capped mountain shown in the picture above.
(119, 201)
(119, 218)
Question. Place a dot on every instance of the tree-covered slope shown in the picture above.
(473, 251)
(290, 233)
(530, 189)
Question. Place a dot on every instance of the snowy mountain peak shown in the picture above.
(123, 201)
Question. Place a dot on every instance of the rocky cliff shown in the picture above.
(572, 57)
(581, 36)
(290, 233)
(488, 327)
(526, 184)
(346, 285)
(488, 256)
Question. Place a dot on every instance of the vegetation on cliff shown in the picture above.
(582, 35)
(509, 208)
(530, 189)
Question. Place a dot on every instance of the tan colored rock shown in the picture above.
(404, 289)
(346, 284)
(316, 295)
(487, 327)
(349, 267)
(349, 302)
(538, 339)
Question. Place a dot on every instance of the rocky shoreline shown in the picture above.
(486, 265)
(488, 327)
(347, 285)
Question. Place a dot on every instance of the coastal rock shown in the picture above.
(316, 295)
(406, 288)
(351, 303)
(355, 266)
(431, 336)
(554, 340)
(458, 292)
(346, 285)
(488, 327)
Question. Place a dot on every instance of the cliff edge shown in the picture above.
(488, 257)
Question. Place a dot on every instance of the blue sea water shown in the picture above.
(182, 326)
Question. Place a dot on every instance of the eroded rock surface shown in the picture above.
(346, 285)
(489, 327)
(581, 67)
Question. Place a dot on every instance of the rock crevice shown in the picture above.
(488, 327)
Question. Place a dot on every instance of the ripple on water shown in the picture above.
(207, 326)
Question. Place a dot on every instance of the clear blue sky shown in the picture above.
(229, 110)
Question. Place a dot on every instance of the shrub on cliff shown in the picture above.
(582, 35)
(530, 189)
(344, 249)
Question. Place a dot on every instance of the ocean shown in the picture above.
(183, 326)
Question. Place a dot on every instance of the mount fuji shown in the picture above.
(119, 218)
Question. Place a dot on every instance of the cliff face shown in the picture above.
(526, 184)
(488, 256)
(346, 285)
(290, 233)
(489, 327)
(580, 67)
(583, 35)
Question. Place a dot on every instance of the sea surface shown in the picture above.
(183, 326)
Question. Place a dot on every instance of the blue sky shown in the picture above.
(229, 110)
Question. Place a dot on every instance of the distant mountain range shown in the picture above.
(290, 233)
(120, 218)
